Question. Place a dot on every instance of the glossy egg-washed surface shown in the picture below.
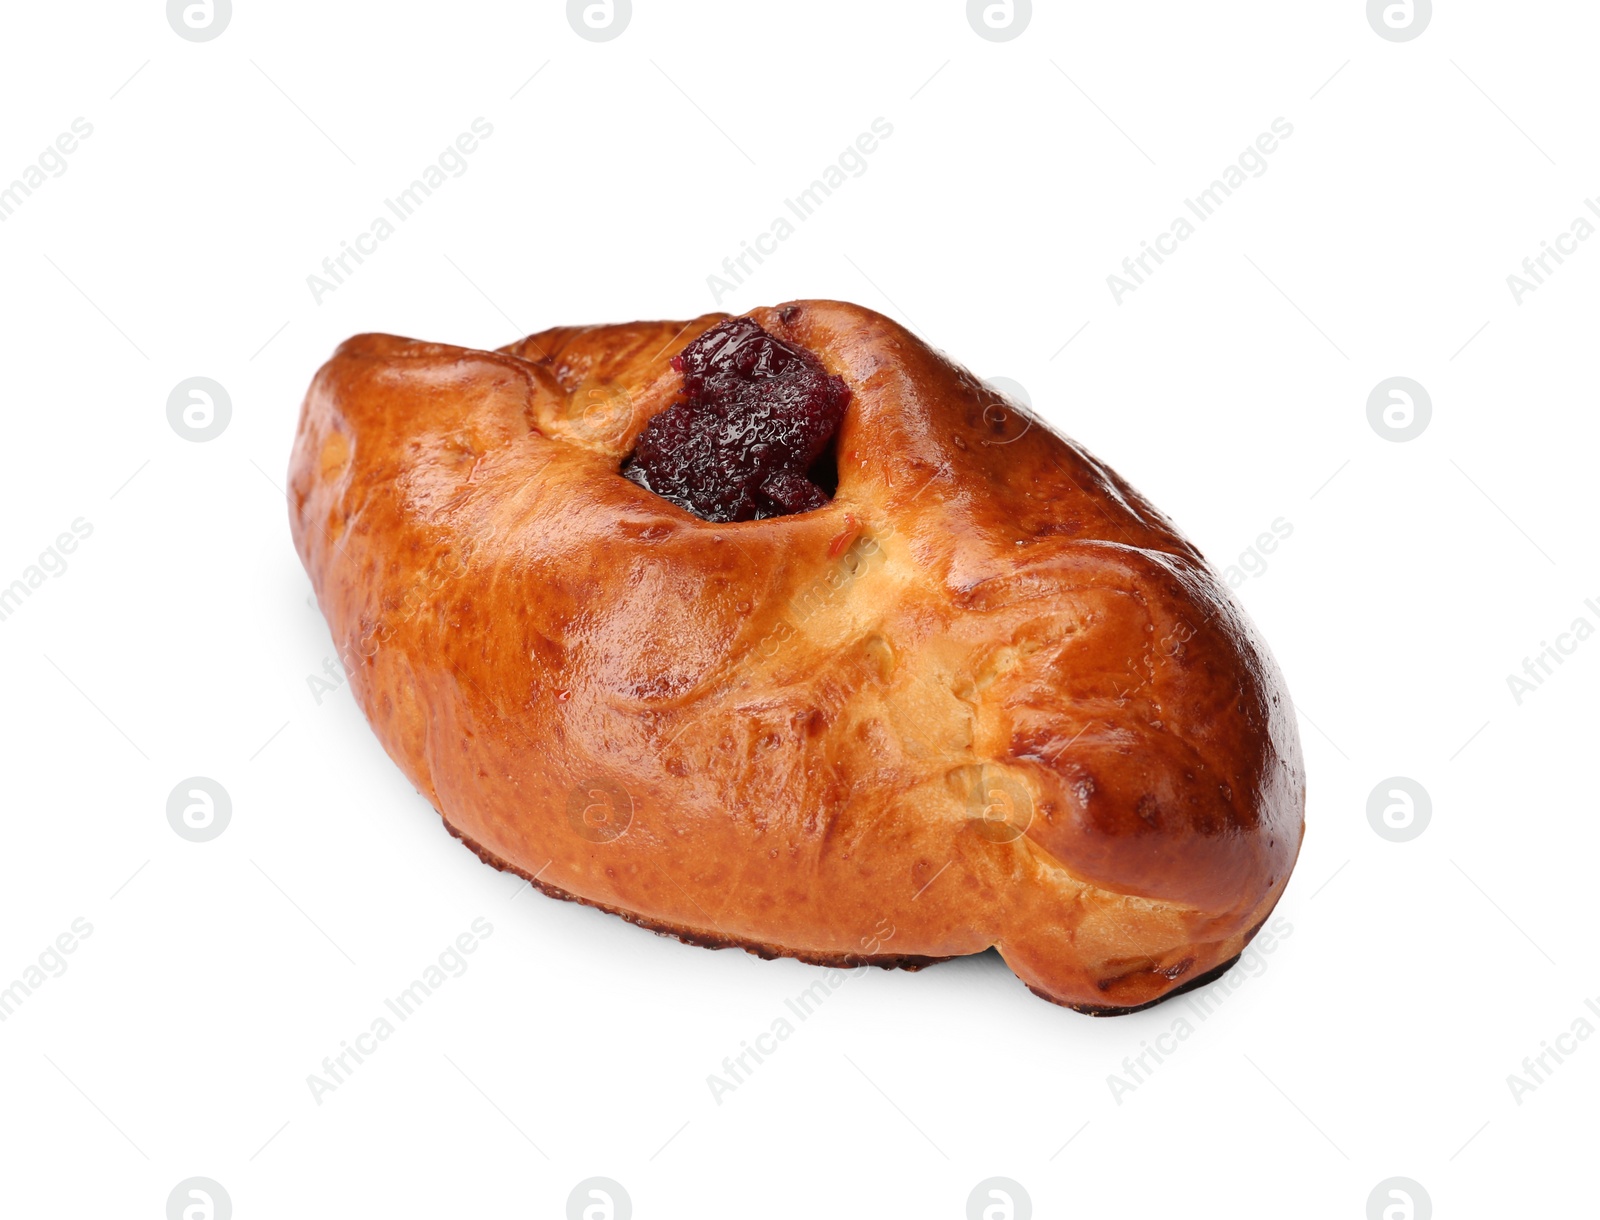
(984, 696)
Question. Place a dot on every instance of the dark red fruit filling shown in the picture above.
(748, 439)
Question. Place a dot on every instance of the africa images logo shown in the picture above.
(999, 20)
(599, 20)
(1399, 20)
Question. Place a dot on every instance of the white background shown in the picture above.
(1231, 388)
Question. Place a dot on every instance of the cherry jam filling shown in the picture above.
(749, 437)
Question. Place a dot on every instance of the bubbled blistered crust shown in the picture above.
(985, 696)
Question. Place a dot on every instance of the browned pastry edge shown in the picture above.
(693, 936)
(884, 961)
(1100, 1010)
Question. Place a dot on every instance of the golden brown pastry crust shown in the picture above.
(988, 696)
